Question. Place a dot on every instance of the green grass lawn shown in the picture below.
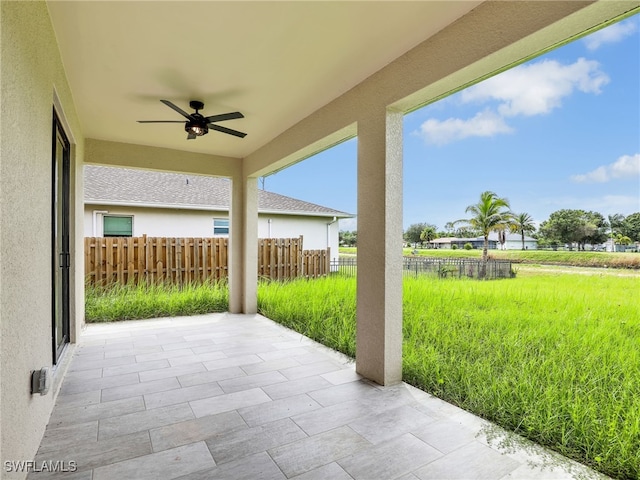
(580, 259)
(554, 357)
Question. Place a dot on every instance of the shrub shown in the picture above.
(454, 247)
(468, 246)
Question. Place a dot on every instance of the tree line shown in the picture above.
(493, 213)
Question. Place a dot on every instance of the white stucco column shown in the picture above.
(379, 291)
(243, 247)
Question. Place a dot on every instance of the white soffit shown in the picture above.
(276, 62)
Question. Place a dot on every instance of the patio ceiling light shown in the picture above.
(196, 128)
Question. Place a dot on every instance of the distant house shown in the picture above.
(130, 202)
(513, 242)
(449, 242)
(611, 246)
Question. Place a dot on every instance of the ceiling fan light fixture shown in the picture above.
(193, 128)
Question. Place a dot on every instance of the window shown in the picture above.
(117, 226)
(220, 226)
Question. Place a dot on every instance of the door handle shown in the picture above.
(65, 260)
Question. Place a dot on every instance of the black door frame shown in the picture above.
(61, 258)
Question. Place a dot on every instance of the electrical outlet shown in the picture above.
(41, 381)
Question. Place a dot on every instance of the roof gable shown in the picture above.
(125, 186)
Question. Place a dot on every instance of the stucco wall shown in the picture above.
(318, 232)
(31, 72)
(517, 245)
(155, 222)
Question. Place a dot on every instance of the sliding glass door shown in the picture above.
(60, 238)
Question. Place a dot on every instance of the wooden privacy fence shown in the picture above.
(135, 259)
(284, 258)
(183, 260)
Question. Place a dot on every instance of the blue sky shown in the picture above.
(560, 131)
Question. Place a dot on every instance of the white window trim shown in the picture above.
(227, 226)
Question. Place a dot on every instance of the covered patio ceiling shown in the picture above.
(276, 62)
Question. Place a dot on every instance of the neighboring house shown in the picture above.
(123, 202)
(514, 242)
(449, 242)
(611, 246)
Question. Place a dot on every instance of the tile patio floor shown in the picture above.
(233, 397)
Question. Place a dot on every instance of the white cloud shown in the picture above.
(611, 34)
(627, 166)
(605, 204)
(625, 204)
(537, 88)
(527, 90)
(483, 124)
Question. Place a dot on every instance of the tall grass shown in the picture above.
(322, 309)
(128, 302)
(553, 358)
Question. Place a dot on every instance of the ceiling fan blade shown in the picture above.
(224, 116)
(160, 121)
(227, 130)
(177, 109)
(191, 136)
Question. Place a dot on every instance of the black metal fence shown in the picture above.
(437, 267)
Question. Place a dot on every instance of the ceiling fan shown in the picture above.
(198, 125)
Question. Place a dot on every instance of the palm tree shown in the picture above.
(488, 215)
(523, 223)
(622, 239)
(428, 234)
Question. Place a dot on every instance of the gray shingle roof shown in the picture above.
(125, 186)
